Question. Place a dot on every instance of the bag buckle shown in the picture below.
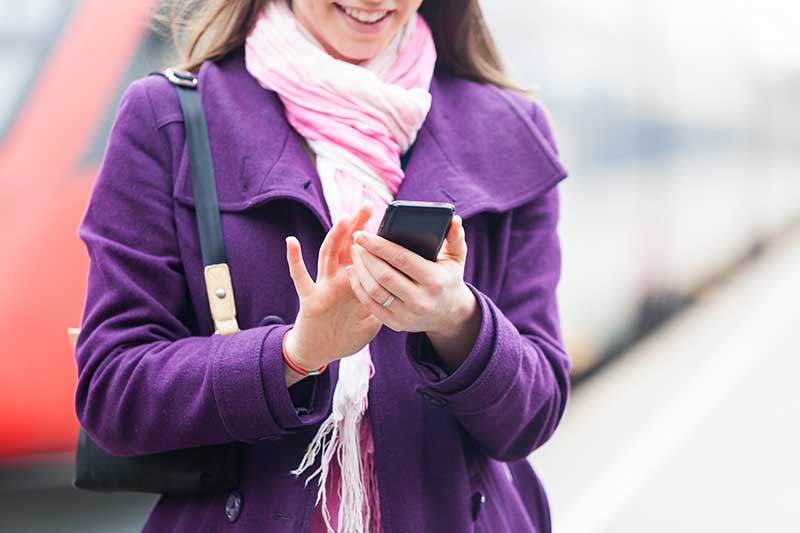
(219, 290)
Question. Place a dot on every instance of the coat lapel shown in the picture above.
(257, 156)
(489, 159)
(478, 149)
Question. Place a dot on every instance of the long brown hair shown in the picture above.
(210, 29)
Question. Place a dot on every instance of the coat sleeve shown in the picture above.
(146, 384)
(511, 390)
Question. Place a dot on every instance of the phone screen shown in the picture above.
(418, 226)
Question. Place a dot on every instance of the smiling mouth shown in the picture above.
(362, 16)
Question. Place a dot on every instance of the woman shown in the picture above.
(319, 113)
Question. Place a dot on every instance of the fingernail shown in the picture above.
(358, 236)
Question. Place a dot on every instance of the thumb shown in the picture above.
(303, 283)
(455, 244)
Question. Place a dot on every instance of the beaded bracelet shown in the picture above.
(303, 372)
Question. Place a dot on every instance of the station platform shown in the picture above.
(697, 428)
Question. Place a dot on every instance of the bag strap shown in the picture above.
(219, 287)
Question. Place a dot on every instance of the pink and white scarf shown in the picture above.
(358, 120)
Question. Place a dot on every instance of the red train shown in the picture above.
(68, 67)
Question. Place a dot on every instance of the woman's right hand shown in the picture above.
(332, 323)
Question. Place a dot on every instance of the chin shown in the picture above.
(355, 41)
(357, 52)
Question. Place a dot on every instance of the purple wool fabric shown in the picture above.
(450, 450)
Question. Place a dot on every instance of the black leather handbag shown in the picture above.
(202, 470)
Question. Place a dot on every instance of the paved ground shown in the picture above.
(697, 429)
(41, 500)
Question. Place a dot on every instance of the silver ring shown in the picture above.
(388, 301)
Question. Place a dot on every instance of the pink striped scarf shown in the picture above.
(358, 120)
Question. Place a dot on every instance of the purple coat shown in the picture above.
(451, 450)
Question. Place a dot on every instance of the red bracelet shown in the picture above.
(293, 366)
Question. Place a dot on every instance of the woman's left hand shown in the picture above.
(428, 296)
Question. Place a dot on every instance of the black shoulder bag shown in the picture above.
(202, 470)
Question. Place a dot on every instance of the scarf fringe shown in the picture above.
(342, 437)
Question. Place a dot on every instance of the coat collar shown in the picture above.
(478, 147)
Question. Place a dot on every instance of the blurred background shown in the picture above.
(679, 123)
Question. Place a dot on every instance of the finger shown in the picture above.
(359, 221)
(364, 213)
(360, 217)
(329, 250)
(409, 263)
(455, 244)
(385, 315)
(303, 283)
(388, 277)
(373, 289)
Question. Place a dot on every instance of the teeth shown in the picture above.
(365, 16)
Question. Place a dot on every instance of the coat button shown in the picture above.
(478, 499)
(233, 506)
(271, 319)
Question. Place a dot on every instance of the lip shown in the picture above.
(363, 27)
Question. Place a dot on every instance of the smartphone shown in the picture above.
(418, 226)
